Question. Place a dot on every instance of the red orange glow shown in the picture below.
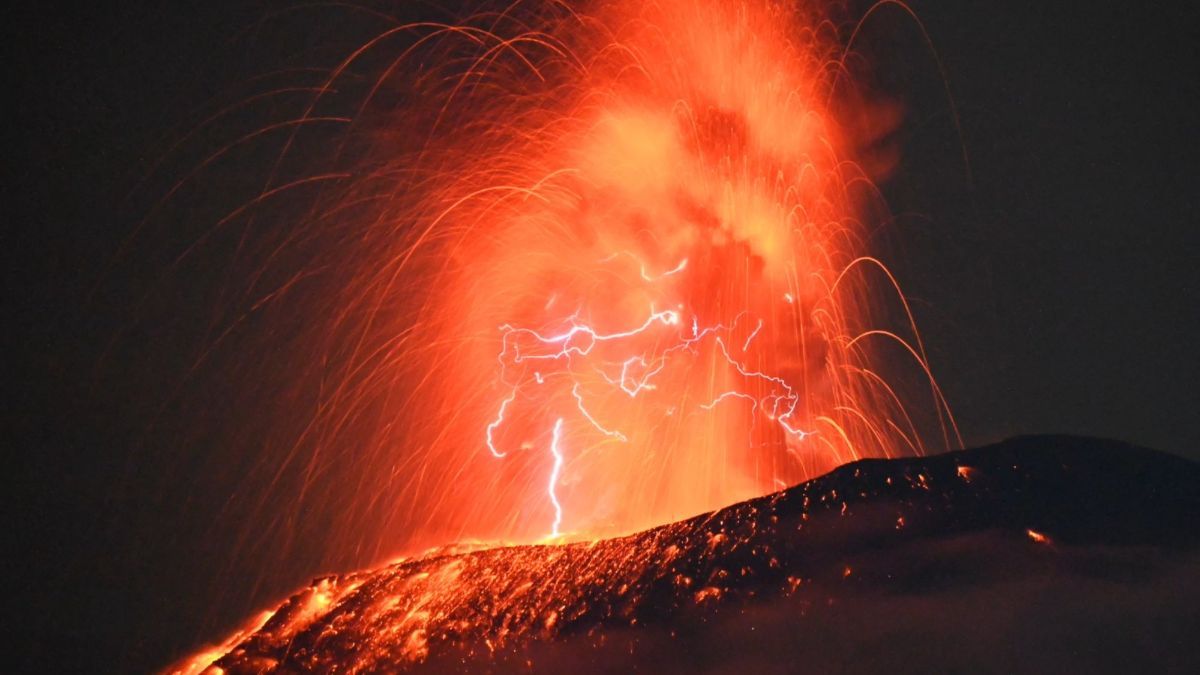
(643, 284)
(607, 266)
(1037, 537)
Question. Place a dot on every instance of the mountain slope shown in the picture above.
(867, 544)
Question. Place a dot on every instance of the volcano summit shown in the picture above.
(1035, 553)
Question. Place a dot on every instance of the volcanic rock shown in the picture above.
(1036, 553)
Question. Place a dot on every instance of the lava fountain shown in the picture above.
(594, 268)
(637, 237)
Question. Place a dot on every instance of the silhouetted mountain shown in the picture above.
(1035, 553)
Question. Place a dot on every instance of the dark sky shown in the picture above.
(1057, 289)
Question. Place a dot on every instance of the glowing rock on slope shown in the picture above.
(492, 608)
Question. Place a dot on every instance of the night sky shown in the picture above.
(1055, 282)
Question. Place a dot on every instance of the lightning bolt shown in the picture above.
(555, 450)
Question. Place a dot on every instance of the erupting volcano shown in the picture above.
(575, 274)
(599, 269)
